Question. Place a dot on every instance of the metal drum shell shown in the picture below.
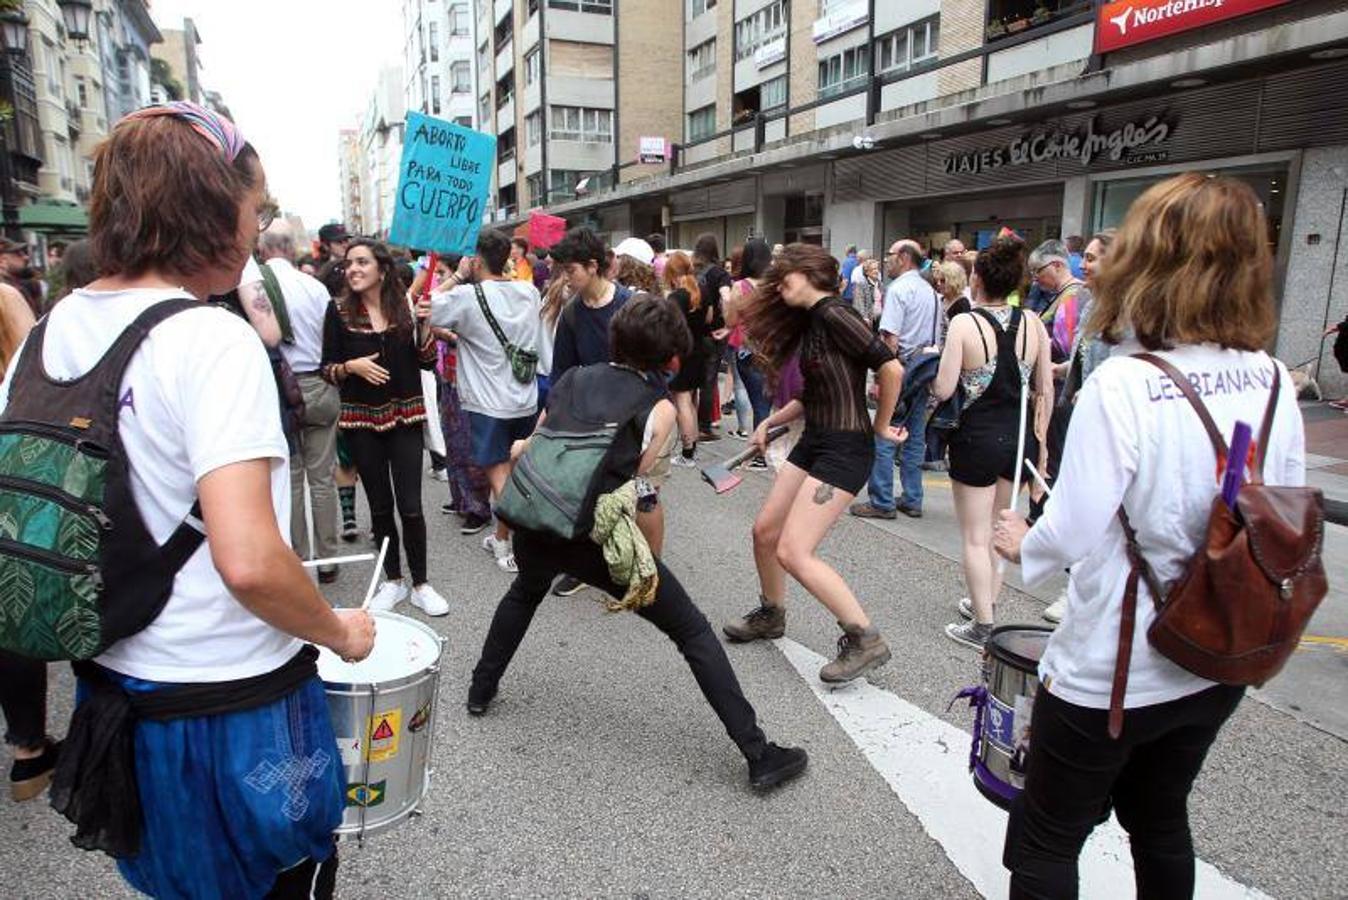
(1008, 674)
(356, 708)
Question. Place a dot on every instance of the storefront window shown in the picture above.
(1112, 198)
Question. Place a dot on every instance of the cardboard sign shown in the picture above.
(1123, 23)
(442, 185)
(545, 230)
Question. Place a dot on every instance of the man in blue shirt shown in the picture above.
(849, 263)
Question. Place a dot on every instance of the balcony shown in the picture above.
(1011, 17)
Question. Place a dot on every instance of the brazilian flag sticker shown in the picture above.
(365, 795)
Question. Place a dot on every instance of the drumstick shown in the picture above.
(1048, 491)
(1020, 454)
(337, 560)
(374, 579)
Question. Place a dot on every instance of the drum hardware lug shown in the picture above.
(1286, 589)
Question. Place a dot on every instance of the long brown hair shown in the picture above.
(634, 274)
(554, 296)
(392, 301)
(775, 328)
(1191, 264)
(679, 276)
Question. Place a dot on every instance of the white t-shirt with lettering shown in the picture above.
(1135, 439)
(198, 395)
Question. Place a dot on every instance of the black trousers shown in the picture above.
(23, 699)
(1076, 772)
(307, 881)
(706, 398)
(389, 463)
(541, 559)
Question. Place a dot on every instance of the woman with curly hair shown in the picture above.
(796, 310)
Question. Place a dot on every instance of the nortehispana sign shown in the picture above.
(1133, 142)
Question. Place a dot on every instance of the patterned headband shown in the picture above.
(215, 128)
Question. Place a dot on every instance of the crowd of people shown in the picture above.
(348, 363)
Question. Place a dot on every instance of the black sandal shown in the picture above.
(28, 778)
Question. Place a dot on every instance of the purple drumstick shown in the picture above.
(1235, 464)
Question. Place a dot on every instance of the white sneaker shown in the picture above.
(501, 550)
(441, 475)
(389, 595)
(1054, 611)
(428, 600)
(679, 461)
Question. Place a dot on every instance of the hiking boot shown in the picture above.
(764, 622)
(859, 651)
(776, 765)
(864, 509)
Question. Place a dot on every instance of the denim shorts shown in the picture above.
(492, 437)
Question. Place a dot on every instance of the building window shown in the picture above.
(484, 111)
(908, 46)
(533, 128)
(702, 123)
(531, 63)
(82, 93)
(843, 72)
(503, 90)
(435, 41)
(772, 94)
(562, 183)
(578, 123)
(460, 78)
(435, 95)
(760, 28)
(505, 145)
(535, 184)
(698, 7)
(1008, 17)
(702, 60)
(459, 23)
(603, 7)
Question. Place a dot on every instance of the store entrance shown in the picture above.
(804, 220)
(1034, 214)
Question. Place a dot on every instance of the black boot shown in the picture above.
(776, 765)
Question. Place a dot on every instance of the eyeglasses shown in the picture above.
(264, 219)
(1036, 272)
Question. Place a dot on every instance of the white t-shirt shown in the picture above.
(198, 395)
(486, 385)
(307, 304)
(1135, 439)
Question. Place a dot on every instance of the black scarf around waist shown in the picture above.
(95, 781)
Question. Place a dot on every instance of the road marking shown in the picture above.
(1314, 640)
(925, 761)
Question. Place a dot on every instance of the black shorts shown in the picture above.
(840, 458)
(979, 460)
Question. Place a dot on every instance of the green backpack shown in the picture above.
(79, 570)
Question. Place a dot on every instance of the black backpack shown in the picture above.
(79, 570)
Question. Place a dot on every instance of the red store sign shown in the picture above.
(1123, 23)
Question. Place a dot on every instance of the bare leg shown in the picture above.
(687, 417)
(1004, 492)
(813, 511)
(768, 531)
(496, 477)
(975, 508)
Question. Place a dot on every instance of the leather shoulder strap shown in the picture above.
(1266, 430)
(1187, 389)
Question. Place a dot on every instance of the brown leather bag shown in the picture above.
(1238, 612)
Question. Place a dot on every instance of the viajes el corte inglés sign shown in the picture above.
(1134, 142)
(1123, 23)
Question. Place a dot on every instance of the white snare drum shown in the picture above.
(383, 712)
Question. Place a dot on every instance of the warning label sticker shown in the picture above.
(382, 737)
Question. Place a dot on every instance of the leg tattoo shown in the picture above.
(823, 494)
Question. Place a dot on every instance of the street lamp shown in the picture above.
(77, 14)
(14, 27)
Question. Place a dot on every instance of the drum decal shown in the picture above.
(1021, 733)
(999, 725)
(349, 748)
(365, 795)
(383, 735)
(419, 720)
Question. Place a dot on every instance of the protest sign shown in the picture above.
(443, 185)
(545, 230)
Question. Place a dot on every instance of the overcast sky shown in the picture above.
(293, 72)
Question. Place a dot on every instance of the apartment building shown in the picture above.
(858, 121)
(350, 165)
(179, 51)
(438, 59)
(125, 33)
(59, 116)
(571, 88)
(381, 150)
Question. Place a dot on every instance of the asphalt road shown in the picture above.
(600, 771)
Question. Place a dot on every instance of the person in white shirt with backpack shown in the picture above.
(1117, 722)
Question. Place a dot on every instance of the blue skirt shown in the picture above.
(231, 801)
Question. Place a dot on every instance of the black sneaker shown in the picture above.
(479, 701)
(28, 778)
(447, 508)
(568, 586)
(776, 765)
(350, 530)
(474, 524)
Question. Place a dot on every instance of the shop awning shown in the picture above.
(55, 219)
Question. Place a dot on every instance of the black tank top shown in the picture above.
(1000, 403)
